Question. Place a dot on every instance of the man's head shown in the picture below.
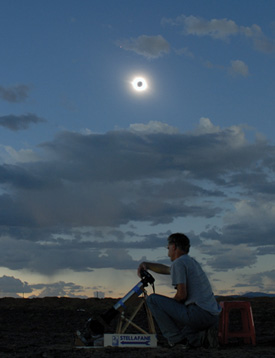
(178, 244)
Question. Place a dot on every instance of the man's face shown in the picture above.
(171, 251)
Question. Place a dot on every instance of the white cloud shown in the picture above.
(238, 67)
(216, 28)
(259, 40)
(150, 47)
(152, 127)
(222, 29)
(9, 155)
(206, 127)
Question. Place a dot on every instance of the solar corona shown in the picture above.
(139, 84)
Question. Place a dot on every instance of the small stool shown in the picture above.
(248, 328)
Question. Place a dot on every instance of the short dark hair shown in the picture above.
(180, 240)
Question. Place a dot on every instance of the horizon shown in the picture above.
(244, 295)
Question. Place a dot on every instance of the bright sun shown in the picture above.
(139, 84)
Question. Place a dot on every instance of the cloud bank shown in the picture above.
(69, 208)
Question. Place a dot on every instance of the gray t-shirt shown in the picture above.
(188, 271)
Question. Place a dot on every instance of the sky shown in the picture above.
(96, 174)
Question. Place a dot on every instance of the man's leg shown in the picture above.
(199, 321)
(171, 316)
(177, 321)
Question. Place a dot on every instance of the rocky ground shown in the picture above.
(45, 327)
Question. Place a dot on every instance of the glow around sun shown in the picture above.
(139, 84)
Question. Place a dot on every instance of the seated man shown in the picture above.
(193, 309)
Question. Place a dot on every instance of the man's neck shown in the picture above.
(179, 253)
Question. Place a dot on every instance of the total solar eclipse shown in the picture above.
(139, 84)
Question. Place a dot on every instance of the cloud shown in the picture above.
(238, 67)
(69, 208)
(185, 52)
(260, 41)
(216, 28)
(62, 254)
(263, 281)
(10, 155)
(13, 287)
(14, 94)
(250, 223)
(152, 127)
(151, 47)
(58, 289)
(206, 127)
(221, 29)
(226, 257)
(16, 123)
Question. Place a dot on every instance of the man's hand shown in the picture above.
(141, 267)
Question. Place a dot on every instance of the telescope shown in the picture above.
(96, 327)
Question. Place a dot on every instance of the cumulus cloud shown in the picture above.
(150, 47)
(69, 207)
(238, 67)
(221, 29)
(206, 127)
(16, 123)
(14, 94)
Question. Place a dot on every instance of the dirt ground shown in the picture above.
(45, 327)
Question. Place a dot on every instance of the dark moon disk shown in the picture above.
(139, 84)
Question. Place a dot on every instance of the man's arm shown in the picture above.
(155, 267)
(181, 293)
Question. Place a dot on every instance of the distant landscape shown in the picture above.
(254, 294)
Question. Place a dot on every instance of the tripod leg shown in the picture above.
(129, 321)
(119, 325)
(134, 325)
(151, 325)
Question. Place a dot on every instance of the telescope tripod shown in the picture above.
(97, 326)
(124, 322)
